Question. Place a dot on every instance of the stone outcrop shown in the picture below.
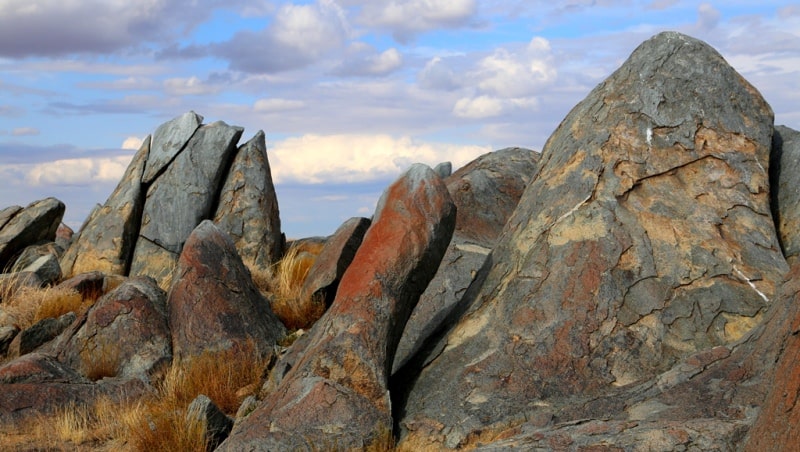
(485, 193)
(23, 227)
(336, 395)
(248, 206)
(39, 334)
(124, 334)
(785, 188)
(330, 264)
(106, 242)
(644, 237)
(215, 423)
(213, 303)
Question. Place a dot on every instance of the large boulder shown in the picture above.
(784, 173)
(644, 237)
(106, 242)
(213, 303)
(169, 140)
(35, 223)
(39, 334)
(182, 196)
(7, 214)
(336, 395)
(331, 263)
(248, 206)
(485, 193)
(124, 334)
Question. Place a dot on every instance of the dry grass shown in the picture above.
(28, 305)
(157, 423)
(283, 283)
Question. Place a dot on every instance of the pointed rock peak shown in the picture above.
(168, 140)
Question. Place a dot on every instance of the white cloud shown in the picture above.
(191, 86)
(81, 171)
(406, 18)
(277, 105)
(318, 159)
(515, 74)
(132, 143)
(478, 107)
(24, 131)
(366, 61)
(436, 75)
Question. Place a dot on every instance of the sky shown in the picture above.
(349, 93)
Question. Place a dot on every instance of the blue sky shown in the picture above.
(348, 92)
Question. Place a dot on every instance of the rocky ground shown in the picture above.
(632, 287)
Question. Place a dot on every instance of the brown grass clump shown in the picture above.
(28, 305)
(286, 284)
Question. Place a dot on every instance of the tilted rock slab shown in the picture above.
(7, 214)
(785, 188)
(36, 222)
(248, 206)
(213, 303)
(124, 334)
(485, 192)
(644, 237)
(181, 197)
(336, 396)
(334, 259)
(169, 139)
(106, 242)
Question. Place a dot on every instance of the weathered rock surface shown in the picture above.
(336, 395)
(444, 169)
(169, 139)
(330, 264)
(785, 188)
(7, 334)
(215, 423)
(644, 237)
(213, 303)
(7, 214)
(248, 206)
(39, 334)
(183, 196)
(485, 193)
(124, 334)
(46, 268)
(37, 384)
(106, 242)
(35, 223)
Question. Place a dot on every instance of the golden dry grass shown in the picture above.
(28, 305)
(157, 423)
(285, 282)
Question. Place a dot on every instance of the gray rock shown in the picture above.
(644, 236)
(107, 240)
(248, 207)
(213, 303)
(336, 395)
(169, 140)
(125, 334)
(7, 214)
(7, 334)
(39, 334)
(46, 268)
(215, 423)
(330, 264)
(35, 223)
(784, 173)
(444, 169)
(185, 194)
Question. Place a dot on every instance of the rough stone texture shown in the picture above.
(169, 139)
(89, 285)
(485, 193)
(124, 334)
(7, 334)
(36, 222)
(213, 303)
(784, 174)
(37, 384)
(644, 237)
(7, 214)
(39, 334)
(336, 395)
(330, 264)
(46, 268)
(183, 196)
(33, 252)
(444, 169)
(64, 236)
(248, 206)
(216, 424)
(106, 242)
